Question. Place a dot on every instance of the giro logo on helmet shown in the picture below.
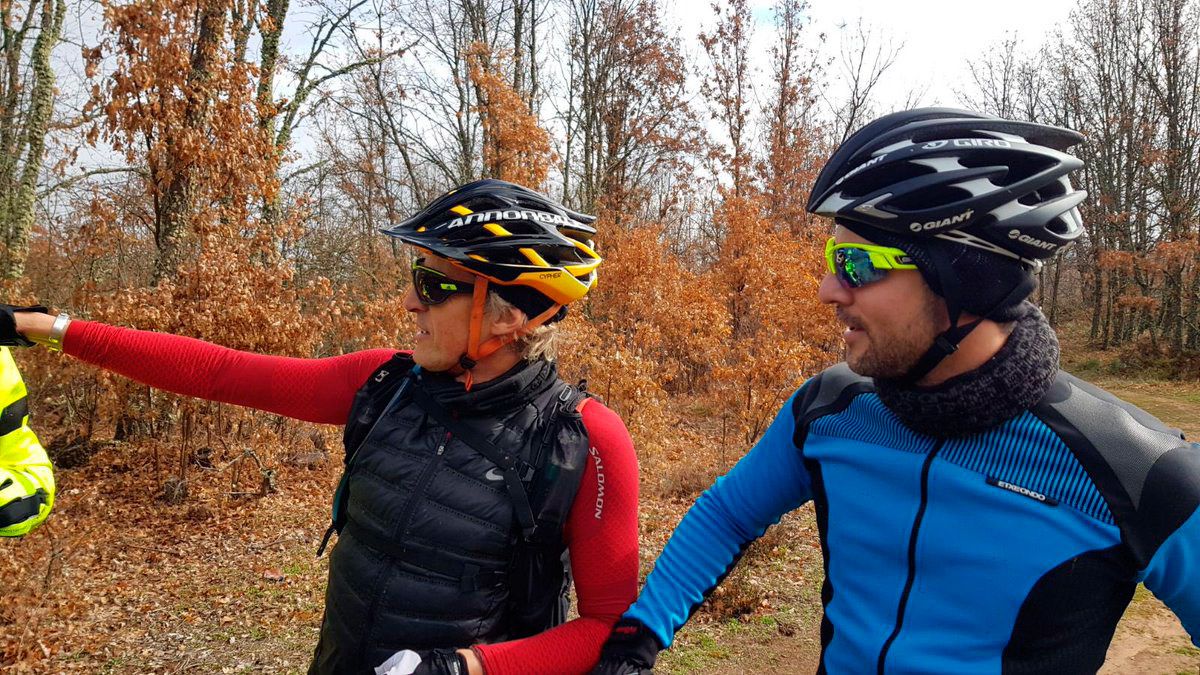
(514, 214)
(1026, 239)
(943, 223)
(934, 145)
(981, 143)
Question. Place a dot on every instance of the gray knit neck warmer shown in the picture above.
(1011, 382)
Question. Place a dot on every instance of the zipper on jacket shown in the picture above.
(405, 517)
(420, 487)
(912, 556)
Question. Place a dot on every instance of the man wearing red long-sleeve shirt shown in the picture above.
(472, 467)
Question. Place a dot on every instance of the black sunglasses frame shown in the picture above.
(434, 287)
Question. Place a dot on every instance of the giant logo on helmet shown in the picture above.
(942, 224)
(1026, 239)
(861, 167)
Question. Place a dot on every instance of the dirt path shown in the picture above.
(1151, 640)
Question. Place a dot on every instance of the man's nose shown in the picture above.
(832, 292)
(411, 302)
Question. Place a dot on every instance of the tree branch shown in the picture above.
(73, 180)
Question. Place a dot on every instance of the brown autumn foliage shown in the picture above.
(515, 148)
(703, 321)
(695, 343)
(780, 333)
(1131, 307)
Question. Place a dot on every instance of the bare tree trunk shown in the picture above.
(23, 138)
(174, 214)
(1193, 311)
(1172, 75)
(268, 61)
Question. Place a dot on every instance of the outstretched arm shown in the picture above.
(768, 482)
(601, 533)
(314, 390)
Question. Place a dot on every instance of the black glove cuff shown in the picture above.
(631, 644)
(9, 337)
(441, 662)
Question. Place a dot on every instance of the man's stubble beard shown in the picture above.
(894, 352)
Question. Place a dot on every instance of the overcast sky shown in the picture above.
(939, 36)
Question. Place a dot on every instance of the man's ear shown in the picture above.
(508, 321)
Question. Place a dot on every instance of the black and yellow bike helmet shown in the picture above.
(509, 235)
(531, 250)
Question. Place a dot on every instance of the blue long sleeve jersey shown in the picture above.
(1014, 550)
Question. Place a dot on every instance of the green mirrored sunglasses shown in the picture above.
(856, 265)
(434, 287)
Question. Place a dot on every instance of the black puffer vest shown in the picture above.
(431, 554)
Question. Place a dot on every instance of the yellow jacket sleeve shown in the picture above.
(26, 476)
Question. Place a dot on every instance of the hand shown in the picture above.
(631, 649)
(9, 335)
(427, 662)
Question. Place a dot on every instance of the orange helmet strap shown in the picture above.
(476, 352)
(495, 343)
(478, 305)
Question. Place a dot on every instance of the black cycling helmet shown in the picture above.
(994, 184)
(533, 252)
(977, 201)
(511, 236)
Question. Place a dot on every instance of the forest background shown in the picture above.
(221, 169)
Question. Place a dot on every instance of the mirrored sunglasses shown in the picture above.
(434, 287)
(856, 265)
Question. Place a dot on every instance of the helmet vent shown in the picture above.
(868, 180)
(935, 196)
(978, 186)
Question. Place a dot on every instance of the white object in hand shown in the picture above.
(400, 663)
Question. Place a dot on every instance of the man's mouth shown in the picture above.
(852, 324)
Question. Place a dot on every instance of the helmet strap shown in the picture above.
(476, 351)
(946, 343)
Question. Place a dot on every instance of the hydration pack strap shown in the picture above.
(341, 496)
(510, 465)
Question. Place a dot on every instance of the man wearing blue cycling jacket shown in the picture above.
(980, 510)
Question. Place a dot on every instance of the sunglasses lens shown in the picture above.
(432, 287)
(854, 268)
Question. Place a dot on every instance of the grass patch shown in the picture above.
(1187, 651)
(693, 653)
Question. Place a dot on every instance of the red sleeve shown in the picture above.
(314, 390)
(602, 535)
